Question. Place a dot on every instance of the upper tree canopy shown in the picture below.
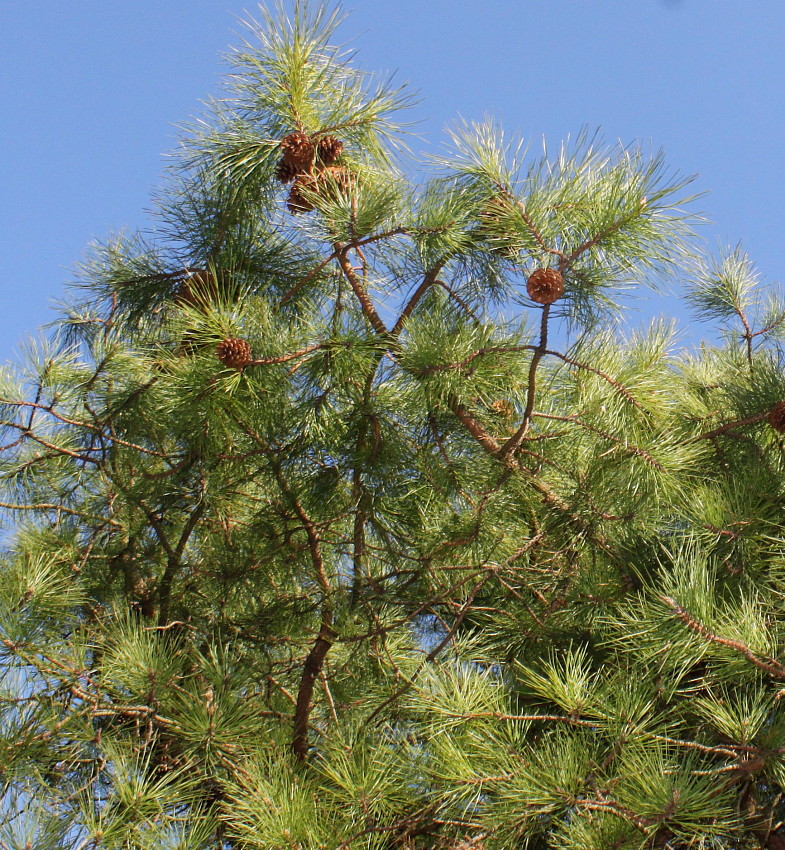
(345, 512)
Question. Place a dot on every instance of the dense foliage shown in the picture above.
(323, 533)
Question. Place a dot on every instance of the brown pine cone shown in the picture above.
(502, 407)
(234, 353)
(328, 149)
(296, 201)
(494, 209)
(196, 286)
(297, 149)
(335, 181)
(545, 286)
(285, 171)
(776, 417)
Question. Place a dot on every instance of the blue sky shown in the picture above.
(92, 91)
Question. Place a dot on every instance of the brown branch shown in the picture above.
(769, 665)
(612, 228)
(304, 280)
(428, 281)
(284, 358)
(522, 718)
(386, 629)
(152, 518)
(509, 349)
(358, 535)
(60, 449)
(623, 391)
(474, 427)
(731, 751)
(51, 506)
(480, 352)
(635, 450)
(187, 460)
(173, 565)
(530, 224)
(312, 667)
(509, 448)
(431, 656)
(493, 448)
(773, 324)
(398, 231)
(644, 824)
(413, 824)
(369, 311)
(76, 423)
(464, 306)
(738, 423)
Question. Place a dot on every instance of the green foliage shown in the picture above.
(441, 567)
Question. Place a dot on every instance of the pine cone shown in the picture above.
(196, 287)
(285, 171)
(494, 209)
(329, 184)
(777, 417)
(328, 150)
(545, 286)
(335, 181)
(296, 201)
(234, 353)
(502, 407)
(297, 150)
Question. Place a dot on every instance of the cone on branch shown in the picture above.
(196, 287)
(297, 150)
(297, 153)
(328, 184)
(286, 171)
(328, 150)
(335, 181)
(776, 417)
(234, 353)
(502, 407)
(545, 286)
(297, 202)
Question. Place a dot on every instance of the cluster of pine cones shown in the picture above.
(309, 165)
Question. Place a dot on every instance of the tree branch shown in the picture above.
(397, 231)
(769, 665)
(173, 565)
(419, 293)
(509, 448)
(369, 311)
(730, 426)
(312, 667)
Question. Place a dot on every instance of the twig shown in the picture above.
(509, 448)
(738, 423)
(769, 665)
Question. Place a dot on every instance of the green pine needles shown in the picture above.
(322, 534)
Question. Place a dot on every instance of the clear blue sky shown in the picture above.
(91, 91)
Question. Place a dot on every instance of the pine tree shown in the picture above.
(344, 510)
